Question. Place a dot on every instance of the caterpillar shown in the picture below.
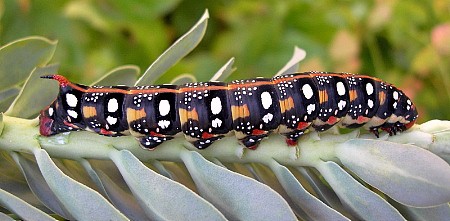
(251, 109)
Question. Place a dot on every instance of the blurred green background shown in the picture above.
(403, 42)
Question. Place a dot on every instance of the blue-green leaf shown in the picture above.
(237, 196)
(27, 104)
(124, 201)
(21, 208)
(160, 197)
(315, 208)
(355, 196)
(82, 202)
(123, 75)
(7, 96)
(38, 186)
(176, 52)
(323, 192)
(19, 58)
(225, 71)
(437, 213)
(5, 217)
(408, 174)
(183, 79)
(1, 123)
(292, 65)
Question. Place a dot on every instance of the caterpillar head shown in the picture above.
(64, 114)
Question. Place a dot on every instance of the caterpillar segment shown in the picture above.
(251, 109)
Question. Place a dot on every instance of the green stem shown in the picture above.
(22, 135)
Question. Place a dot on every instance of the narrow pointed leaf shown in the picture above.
(237, 196)
(175, 52)
(123, 75)
(441, 212)
(5, 217)
(292, 65)
(434, 126)
(323, 192)
(2, 124)
(183, 79)
(82, 202)
(224, 71)
(315, 208)
(162, 169)
(21, 208)
(121, 199)
(27, 104)
(160, 197)
(19, 58)
(355, 196)
(39, 186)
(7, 97)
(437, 213)
(408, 174)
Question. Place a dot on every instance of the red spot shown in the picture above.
(253, 147)
(410, 124)
(291, 142)
(154, 134)
(258, 132)
(206, 135)
(70, 125)
(388, 130)
(362, 119)
(332, 120)
(302, 125)
(105, 132)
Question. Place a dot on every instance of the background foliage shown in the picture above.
(106, 178)
(403, 42)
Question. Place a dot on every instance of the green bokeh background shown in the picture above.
(403, 42)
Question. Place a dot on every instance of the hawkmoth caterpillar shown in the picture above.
(251, 109)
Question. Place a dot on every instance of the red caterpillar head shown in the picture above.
(64, 114)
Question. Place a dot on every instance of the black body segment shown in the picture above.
(103, 111)
(255, 109)
(207, 111)
(298, 98)
(363, 92)
(333, 100)
(152, 113)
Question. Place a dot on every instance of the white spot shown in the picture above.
(71, 100)
(216, 123)
(369, 88)
(163, 124)
(395, 105)
(409, 102)
(216, 105)
(307, 91)
(310, 108)
(267, 118)
(340, 88)
(370, 103)
(113, 105)
(408, 107)
(72, 113)
(341, 104)
(395, 95)
(164, 108)
(266, 99)
(50, 111)
(111, 120)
